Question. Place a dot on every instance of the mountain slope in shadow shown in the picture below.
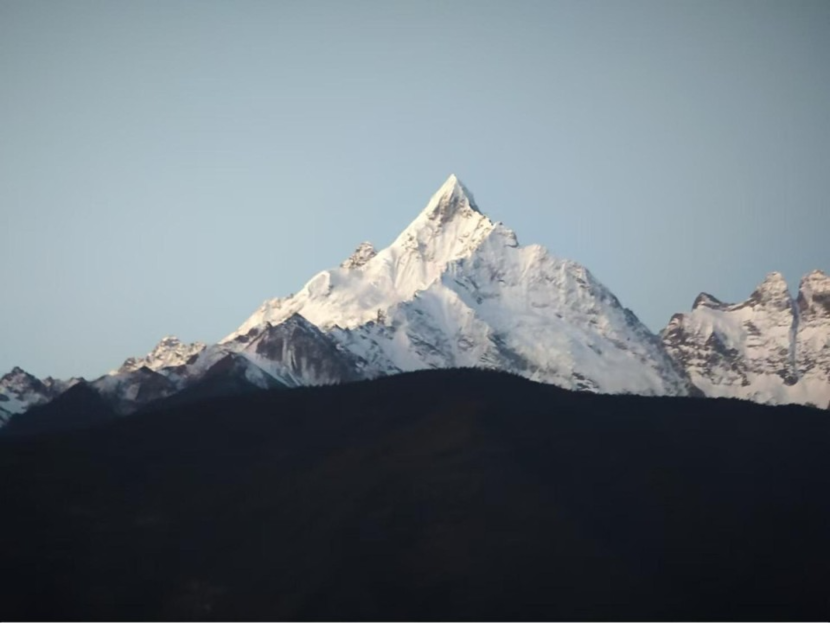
(453, 494)
(80, 406)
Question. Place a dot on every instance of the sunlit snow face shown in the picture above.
(455, 288)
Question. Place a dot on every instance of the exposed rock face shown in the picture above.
(306, 354)
(297, 353)
(364, 252)
(770, 348)
(127, 391)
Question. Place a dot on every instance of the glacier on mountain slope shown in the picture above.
(457, 289)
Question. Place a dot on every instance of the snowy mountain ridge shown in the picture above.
(169, 352)
(769, 348)
(457, 289)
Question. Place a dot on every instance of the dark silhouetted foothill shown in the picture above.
(435, 495)
(80, 406)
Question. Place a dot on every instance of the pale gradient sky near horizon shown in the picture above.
(165, 166)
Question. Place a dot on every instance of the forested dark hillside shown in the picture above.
(453, 494)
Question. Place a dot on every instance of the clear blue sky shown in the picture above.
(166, 166)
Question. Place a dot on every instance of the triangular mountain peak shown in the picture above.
(449, 227)
(772, 291)
(452, 198)
(18, 377)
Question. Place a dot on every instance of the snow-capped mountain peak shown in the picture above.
(19, 391)
(17, 376)
(456, 289)
(772, 292)
(169, 352)
(452, 194)
(449, 228)
(812, 352)
(768, 348)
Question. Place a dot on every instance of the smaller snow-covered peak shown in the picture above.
(15, 373)
(767, 348)
(773, 291)
(814, 296)
(173, 347)
(170, 351)
(18, 380)
(19, 391)
(365, 251)
(774, 281)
